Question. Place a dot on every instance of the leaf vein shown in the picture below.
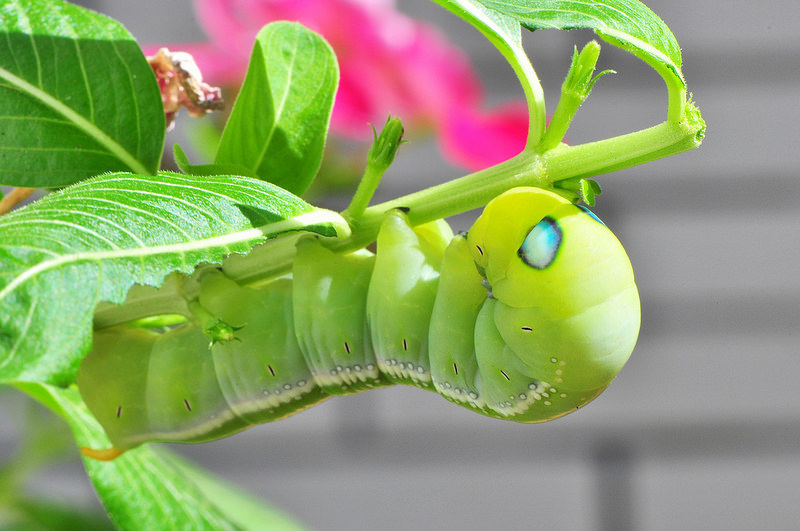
(76, 118)
(279, 109)
(21, 337)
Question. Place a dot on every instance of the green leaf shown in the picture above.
(279, 122)
(92, 241)
(489, 21)
(144, 489)
(240, 507)
(77, 97)
(628, 24)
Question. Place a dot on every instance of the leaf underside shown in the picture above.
(628, 24)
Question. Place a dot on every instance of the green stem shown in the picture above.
(534, 94)
(381, 156)
(142, 301)
(364, 192)
(676, 91)
(676, 111)
(604, 156)
(676, 85)
(275, 258)
(450, 198)
(528, 169)
(473, 191)
(201, 316)
(576, 88)
(560, 122)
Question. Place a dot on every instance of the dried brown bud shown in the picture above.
(181, 84)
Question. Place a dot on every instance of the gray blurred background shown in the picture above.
(701, 430)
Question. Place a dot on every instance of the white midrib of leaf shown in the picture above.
(311, 218)
(82, 123)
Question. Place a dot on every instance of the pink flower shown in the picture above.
(389, 64)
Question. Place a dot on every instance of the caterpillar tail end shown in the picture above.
(105, 454)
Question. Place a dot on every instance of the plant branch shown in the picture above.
(274, 258)
(14, 197)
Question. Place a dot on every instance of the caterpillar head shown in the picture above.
(532, 244)
(563, 282)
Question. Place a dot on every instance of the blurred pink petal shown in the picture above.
(389, 64)
(478, 139)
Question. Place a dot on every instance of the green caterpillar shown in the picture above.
(528, 317)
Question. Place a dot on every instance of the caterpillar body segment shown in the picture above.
(261, 370)
(527, 318)
(460, 296)
(330, 316)
(111, 378)
(401, 296)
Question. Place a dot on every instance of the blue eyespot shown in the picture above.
(592, 214)
(541, 244)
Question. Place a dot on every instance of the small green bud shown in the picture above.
(385, 146)
(380, 157)
(580, 78)
(575, 89)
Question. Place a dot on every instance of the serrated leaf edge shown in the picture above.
(315, 217)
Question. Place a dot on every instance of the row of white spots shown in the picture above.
(271, 399)
(460, 395)
(518, 404)
(515, 405)
(347, 376)
(560, 371)
(406, 370)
